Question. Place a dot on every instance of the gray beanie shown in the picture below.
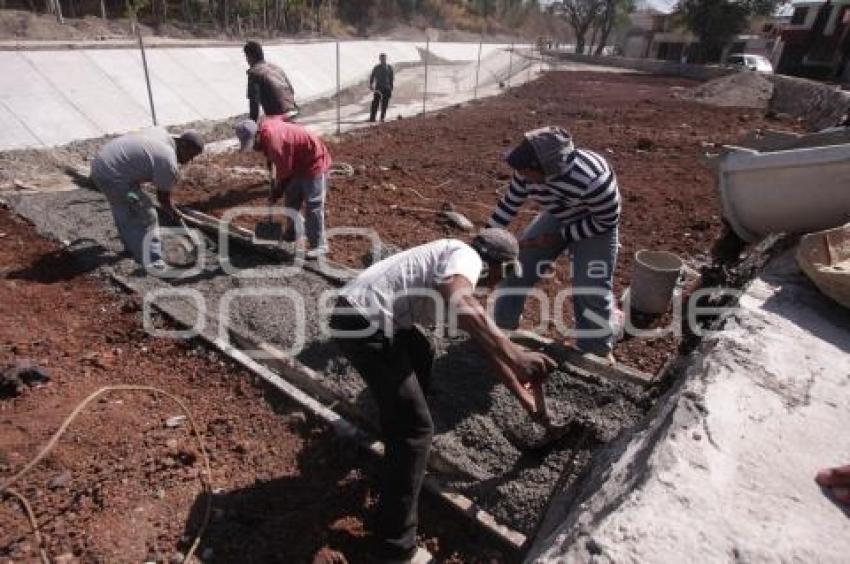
(495, 245)
(552, 144)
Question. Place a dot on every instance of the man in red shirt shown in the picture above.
(301, 164)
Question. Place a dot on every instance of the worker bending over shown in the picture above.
(301, 164)
(580, 201)
(123, 165)
(378, 323)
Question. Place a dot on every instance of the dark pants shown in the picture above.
(397, 373)
(382, 97)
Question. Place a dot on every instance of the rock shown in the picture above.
(458, 220)
(24, 372)
(176, 558)
(175, 421)
(65, 558)
(60, 480)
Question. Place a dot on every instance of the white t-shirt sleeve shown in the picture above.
(459, 259)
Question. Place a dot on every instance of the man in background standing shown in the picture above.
(268, 86)
(381, 83)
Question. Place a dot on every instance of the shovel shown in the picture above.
(269, 231)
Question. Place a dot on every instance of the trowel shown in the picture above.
(269, 231)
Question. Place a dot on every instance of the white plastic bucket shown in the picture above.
(654, 278)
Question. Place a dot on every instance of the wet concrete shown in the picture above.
(480, 428)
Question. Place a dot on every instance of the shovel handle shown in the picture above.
(540, 403)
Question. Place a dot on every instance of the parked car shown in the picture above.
(749, 62)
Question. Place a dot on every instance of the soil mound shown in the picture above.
(740, 90)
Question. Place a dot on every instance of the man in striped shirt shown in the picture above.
(580, 210)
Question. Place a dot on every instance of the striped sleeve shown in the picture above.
(602, 202)
(509, 205)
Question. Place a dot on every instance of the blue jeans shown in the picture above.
(593, 265)
(309, 192)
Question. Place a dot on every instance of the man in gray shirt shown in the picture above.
(119, 169)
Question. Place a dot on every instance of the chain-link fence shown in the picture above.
(87, 92)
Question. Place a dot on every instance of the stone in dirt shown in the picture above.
(24, 372)
(175, 421)
(60, 480)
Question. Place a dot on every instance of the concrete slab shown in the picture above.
(84, 85)
(725, 473)
(124, 68)
(15, 133)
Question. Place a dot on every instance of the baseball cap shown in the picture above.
(246, 131)
(496, 245)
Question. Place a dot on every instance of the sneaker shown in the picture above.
(315, 253)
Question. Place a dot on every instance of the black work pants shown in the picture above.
(382, 98)
(398, 373)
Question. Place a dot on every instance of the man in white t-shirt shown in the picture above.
(378, 323)
(119, 169)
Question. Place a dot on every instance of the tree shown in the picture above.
(717, 22)
(581, 15)
(614, 12)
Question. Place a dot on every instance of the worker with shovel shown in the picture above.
(122, 165)
(577, 191)
(301, 163)
(378, 323)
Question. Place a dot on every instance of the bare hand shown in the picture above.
(534, 367)
(541, 241)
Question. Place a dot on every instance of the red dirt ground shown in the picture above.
(288, 486)
(652, 139)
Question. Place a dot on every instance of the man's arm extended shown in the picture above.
(515, 366)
